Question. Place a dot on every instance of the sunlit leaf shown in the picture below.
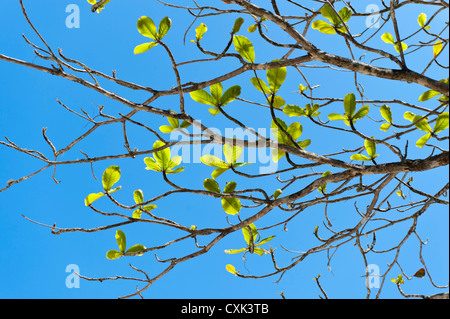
(237, 25)
(147, 27)
(244, 47)
(121, 240)
(92, 198)
(113, 254)
(276, 77)
(136, 248)
(110, 176)
(231, 269)
(200, 31)
(441, 123)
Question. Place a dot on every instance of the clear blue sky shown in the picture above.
(33, 261)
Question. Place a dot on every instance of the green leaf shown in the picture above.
(230, 95)
(110, 176)
(323, 187)
(345, 14)
(335, 116)
(214, 111)
(200, 31)
(295, 130)
(230, 187)
(277, 155)
(246, 233)
(371, 148)
(203, 97)
(237, 25)
(244, 47)
(166, 128)
(162, 157)
(218, 171)
(328, 12)
(265, 240)
(259, 251)
(404, 47)
(350, 104)
(278, 133)
(136, 248)
(260, 85)
(293, 110)
(359, 157)
(232, 153)
(175, 123)
(113, 254)
(121, 240)
(441, 123)
(384, 127)
(234, 251)
(428, 95)
(138, 212)
(211, 186)
(231, 269)
(92, 198)
(252, 28)
(386, 113)
(304, 144)
(361, 113)
(422, 19)
(422, 124)
(388, 38)
(409, 116)
(144, 47)
(277, 193)
(164, 27)
(213, 161)
(138, 196)
(323, 27)
(147, 27)
(278, 101)
(151, 164)
(231, 206)
(216, 92)
(276, 77)
(437, 48)
(185, 124)
(302, 88)
(423, 140)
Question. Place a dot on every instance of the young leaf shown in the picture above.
(276, 77)
(234, 251)
(371, 148)
(121, 240)
(231, 269)
(246, 233)
(420, 273)
(323, 187)
(276, 101)
(423, 140)
(164, 27)
(230, 187)
(147, 27)
(92, 198)
(213, 161)
(359, 157)
(293, 110)
(422, 124)
(144, 47)
(113, 254)
(203, 97)
(441, 123)
(244, 47)
(110, 176)
(216, 92)
(386, 113)
(329, 13)
(345, 14)
(404, 47)
(138, 196)
(200, 31)
(232, 153)
(388, 38)
(166, 129)
(277, 193)
(231, 206)
(211, 186)
(323, 27)
(422, 19)
(237, 25)
(361, 113)
(162, 157)
(350, 104)
(230, 95)
(136, 248)
(265, 240)
(152, 165)
(335, 116)
(384, 127)
(437, 48)
(427, 95)
(252, 28)
(260, 85)
(218, 171)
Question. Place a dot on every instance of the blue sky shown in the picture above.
(33, 261)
